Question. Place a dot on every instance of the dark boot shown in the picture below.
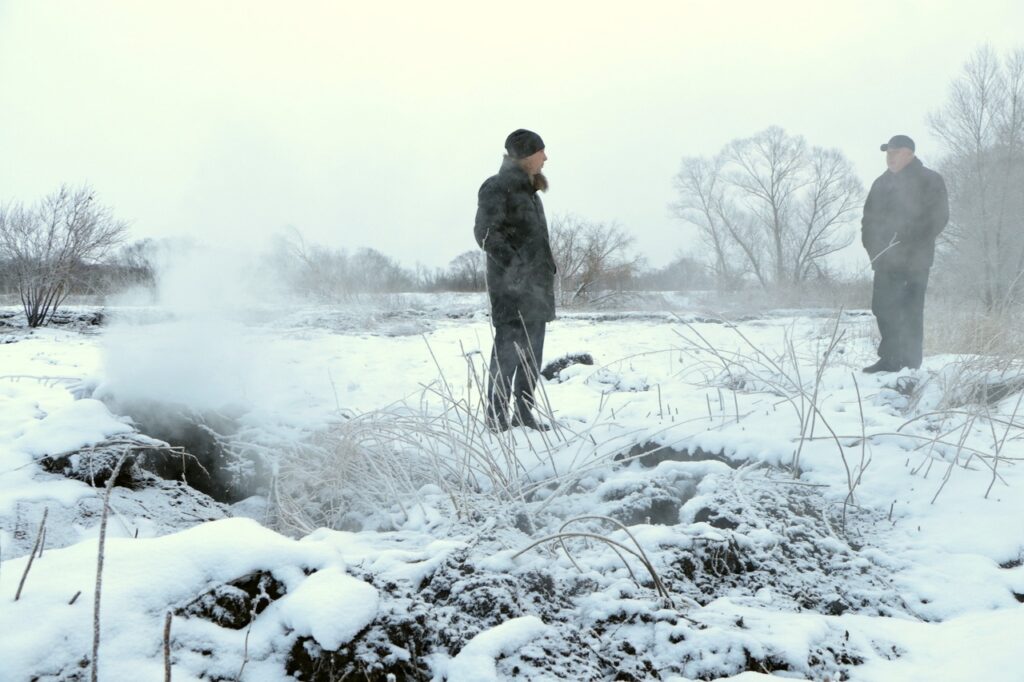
(880, 366)
(496, 421)
(524, 417)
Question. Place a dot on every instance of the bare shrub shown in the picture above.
(380, 461)
(753, 368)
(352, 467)
(131, 266)
(683, 273)
(595, 260)
(334, 274)
(467, 272)
(47, 245)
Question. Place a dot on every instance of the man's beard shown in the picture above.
(540, 182)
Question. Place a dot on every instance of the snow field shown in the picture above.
(940, 560)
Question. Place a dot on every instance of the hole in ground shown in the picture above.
(213, 467)
(652, 454)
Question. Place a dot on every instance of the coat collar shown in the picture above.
(511, 169)
(914, 166)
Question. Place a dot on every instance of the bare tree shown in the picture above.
(833, 198)
(308, 269)
(128, 267)
(467, 271)
(137, 257)
(683, 273)
(426, 278)
(982, 128)
(370, 271)
(770, 206)
(334, 274)
(704, 202)
(566, 238)
(594, 260)
(48, 244)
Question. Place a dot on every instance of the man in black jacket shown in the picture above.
(905, 211)
(511, 228)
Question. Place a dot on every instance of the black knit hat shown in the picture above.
(522, 143)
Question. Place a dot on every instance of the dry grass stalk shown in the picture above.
(561, 536)
(1002, 442)
(32, 555)
(782, 377)
(94, 668)
(659, 586)
(167, 646)
(129, 448)
(378, 459)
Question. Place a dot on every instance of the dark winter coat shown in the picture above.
(512, 230)
(910, 207)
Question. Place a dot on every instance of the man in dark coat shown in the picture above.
(905, 211)
(512, 230)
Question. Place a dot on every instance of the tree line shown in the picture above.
(596, 262)
(770, 210)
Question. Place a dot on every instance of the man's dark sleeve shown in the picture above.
(490, 221)
(937, 211)
(867, 220)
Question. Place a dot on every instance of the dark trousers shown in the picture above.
(515, 366)
(897, 300)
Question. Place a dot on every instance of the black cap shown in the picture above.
(898, 142)
(522, 143)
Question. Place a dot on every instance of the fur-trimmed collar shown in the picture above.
(511, 167)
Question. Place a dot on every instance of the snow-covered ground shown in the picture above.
(678, 444)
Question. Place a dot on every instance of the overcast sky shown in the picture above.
(374, 123)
